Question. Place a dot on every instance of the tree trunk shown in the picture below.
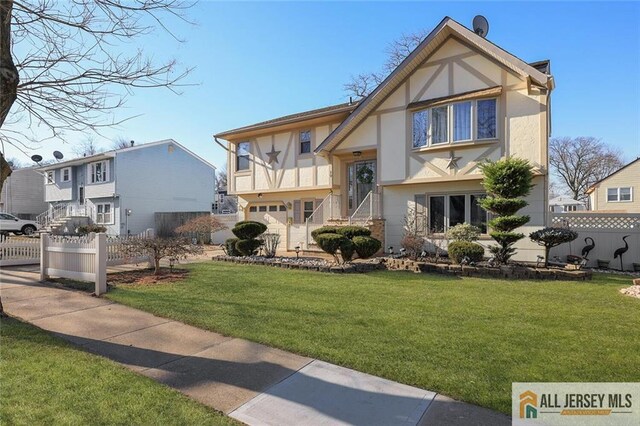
(157, 263)
(9, 77)
(547, 249)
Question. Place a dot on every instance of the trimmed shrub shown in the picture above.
(324, 230)
(458, 250)
(551, 237)
(507, 178)
(330, 243)
(508, 223)
(347, 249)
(464, 232)
(247, 247)
(230, 247)
(248, 229)
(506, 238)
(87, 229)
(353, 231)
(366, 246)
(506, 206)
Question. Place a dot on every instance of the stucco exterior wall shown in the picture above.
(627, 177)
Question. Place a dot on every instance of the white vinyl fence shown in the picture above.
(19, 251)
(84, 258)
(606, 230)
(229, 220)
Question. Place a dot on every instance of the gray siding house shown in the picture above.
(23, 194)
(123, 189)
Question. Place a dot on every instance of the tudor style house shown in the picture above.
(123, 189)
(405, 155)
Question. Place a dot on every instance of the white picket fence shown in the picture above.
(19, 251)
(85, 258)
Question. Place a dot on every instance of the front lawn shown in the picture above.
(44, 380)
(468, 338)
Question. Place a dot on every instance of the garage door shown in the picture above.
(274, 216)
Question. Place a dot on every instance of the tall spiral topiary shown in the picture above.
(506, 182)
(247, 231)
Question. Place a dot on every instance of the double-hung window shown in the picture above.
(99, 172)
(455, 122)
(66, 174)
(446, 211)
(307, 209)
(622, 194)
(242, 156)
(104, 214)
(305, 142)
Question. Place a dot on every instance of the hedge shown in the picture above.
(458, 250)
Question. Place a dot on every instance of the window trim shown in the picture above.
(51, 181)
(249, 152)
(618, 195)
(430, 145)
(311, 145)
(62, 179)
(111, 212)
(302, 209)
(467, 210)
(107, 172)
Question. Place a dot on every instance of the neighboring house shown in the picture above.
(564, 204)
(23, 194)
(618, 192)
(122, 189)
(410, 149)
(224, 203)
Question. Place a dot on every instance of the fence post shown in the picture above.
(44, 257)
(100, 258)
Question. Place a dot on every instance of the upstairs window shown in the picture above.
(242, 156)
(305, 142)
(49, 178)
(455, 122)
(66, 174)
(615, 195)
(99, 172)
(486, 122)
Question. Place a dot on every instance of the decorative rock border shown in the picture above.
(517, 272)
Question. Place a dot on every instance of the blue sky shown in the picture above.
(256, 61)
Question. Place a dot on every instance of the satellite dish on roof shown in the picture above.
(36, 158)
(58, 155)
(480, 26)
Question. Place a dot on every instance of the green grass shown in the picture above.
(467, 338)
(44, 380)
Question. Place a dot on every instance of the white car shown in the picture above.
(10, 223)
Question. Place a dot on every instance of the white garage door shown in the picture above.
(274, 216)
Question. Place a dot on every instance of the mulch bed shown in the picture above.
(146, 276)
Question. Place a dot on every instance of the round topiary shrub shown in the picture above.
(324, 230)
(248, 229)
(458, 250)
(551, 237)
(247, 247)
(330, 243)
(230, 247)
(366, 246)
(347, 249)
(353, 231)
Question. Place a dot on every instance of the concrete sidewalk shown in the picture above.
(253, 383)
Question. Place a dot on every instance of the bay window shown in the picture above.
(455, 122)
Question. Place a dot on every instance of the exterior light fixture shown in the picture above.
(260, 195)
(297, 249)
(357, 153)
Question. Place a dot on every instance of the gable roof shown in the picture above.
(292, 118)
(114, 152)
(430, 43)
(564, 200)
(593, 187)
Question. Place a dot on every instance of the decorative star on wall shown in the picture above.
(453, 161)
(273, 155)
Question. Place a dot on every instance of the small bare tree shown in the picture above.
(121, 142)
(160, 248)
(580, 162)
(87, 147)
(201, 227)
(363, 84)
